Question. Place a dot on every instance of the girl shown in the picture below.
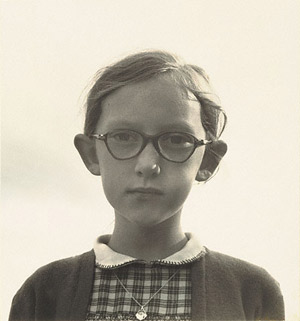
(152, 127)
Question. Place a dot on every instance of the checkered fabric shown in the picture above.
(109, 300)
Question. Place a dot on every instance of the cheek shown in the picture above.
(182, 191)
(109, 166)
(113, 185)
(193, 165)
(181, 181)
(111, 171)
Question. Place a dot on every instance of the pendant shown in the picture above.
(141, 314)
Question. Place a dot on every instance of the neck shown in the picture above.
(147, 242)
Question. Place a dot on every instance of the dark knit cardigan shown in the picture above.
(223, 288)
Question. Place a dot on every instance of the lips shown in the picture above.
(145, 191)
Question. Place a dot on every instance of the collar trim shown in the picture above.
(106, 258)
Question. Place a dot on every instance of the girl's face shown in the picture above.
(150, 107)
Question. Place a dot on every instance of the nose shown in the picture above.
(147, 164)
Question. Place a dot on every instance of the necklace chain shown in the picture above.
(136, 301)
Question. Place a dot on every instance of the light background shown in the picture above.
(53, 208)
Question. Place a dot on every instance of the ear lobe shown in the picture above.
(87, 151)
(214, 152)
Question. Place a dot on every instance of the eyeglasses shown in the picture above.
(175, 147)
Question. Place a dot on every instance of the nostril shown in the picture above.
(156, 169)
(148, 170)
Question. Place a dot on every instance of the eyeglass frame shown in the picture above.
(154, 140)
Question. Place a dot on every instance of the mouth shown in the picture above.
(145, 191)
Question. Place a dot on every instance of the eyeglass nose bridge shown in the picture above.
(150, 139)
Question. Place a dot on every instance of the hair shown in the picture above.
(148, 64)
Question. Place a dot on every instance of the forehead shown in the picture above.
(153, 105)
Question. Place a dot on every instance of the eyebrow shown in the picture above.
(120, 123)
(176, 126)
(180, 126)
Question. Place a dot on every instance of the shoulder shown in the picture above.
(54, 282)
(64, 267)
(236, 278)
(243, 271)
(60, 269)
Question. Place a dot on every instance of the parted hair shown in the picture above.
(144, 65)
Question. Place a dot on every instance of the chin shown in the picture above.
(147, 221)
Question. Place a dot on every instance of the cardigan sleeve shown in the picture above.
(274, 310)
(36, 299)
(23, 304)
(272, 300)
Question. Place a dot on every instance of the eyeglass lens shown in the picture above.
(174, 146)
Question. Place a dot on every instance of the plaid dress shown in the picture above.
(110, 301)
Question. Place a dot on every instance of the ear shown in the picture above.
(214, 152)
(87, 151)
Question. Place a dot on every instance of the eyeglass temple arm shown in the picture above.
(199, 142)
(203, 142)
(98, 136)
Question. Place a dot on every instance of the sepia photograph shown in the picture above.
(150, 160)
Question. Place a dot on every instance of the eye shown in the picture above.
(123, 136)
(177, 140)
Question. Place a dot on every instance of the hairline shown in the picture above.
(185, 76)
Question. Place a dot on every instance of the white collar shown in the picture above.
(107, 258)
